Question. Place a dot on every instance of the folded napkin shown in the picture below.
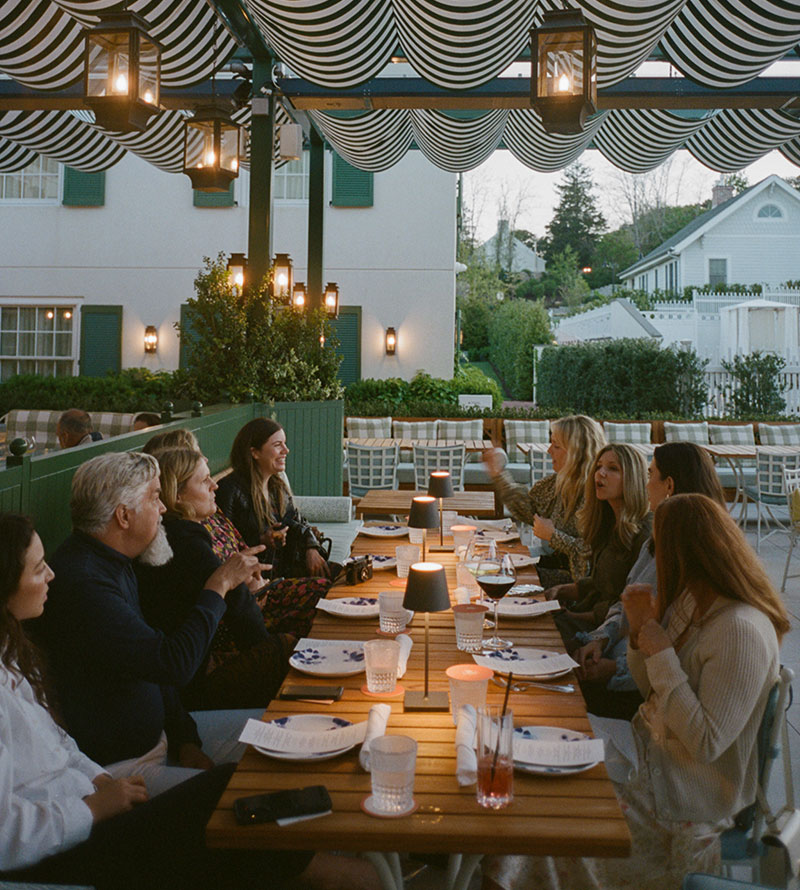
(376, 726)
(466, 758)
(406, 643)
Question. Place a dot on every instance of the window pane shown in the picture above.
(47, 368)
(8, 320)
(49, 187)
(27, 367)
(64, 320)
(27, 319)
(46, 319)
(44, 344)
(63, 344)
(63, 369)
(26, 344)
(7, 369)
(13, 187)
(8, 344)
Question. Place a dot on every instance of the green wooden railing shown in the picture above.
(40, 486)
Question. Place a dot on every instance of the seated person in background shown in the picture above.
(551, 506)
(116, 677)
(246, 663)
(705, 656)
(145, 419)
(614, 523)
(606, 682)
(258, 502)
(74, 427)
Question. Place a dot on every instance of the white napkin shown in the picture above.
(376, 725)
(466, 758)
(461, 594)
(406, 643)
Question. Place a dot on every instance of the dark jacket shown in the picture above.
(233, 498)
(115, 676)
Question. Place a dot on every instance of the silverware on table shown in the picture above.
(521, 687)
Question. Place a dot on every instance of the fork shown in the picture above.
(521, 687)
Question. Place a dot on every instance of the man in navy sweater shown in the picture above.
(117, 678)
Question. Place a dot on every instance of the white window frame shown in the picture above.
(769, 219)
(71, 303)
(34, 202)
(283, 172)
(727, 260)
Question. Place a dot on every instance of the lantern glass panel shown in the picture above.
(148, 71)
(561, 64)
(229, 147)
(109, 63)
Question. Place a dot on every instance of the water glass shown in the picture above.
(449, 518)
(416, 535)
(393, 759)
(495, 758)
(468, 619)
(407, 555)
(461, 535)
(465, 578)
(381, 657)
(392, 617)
(468, 686)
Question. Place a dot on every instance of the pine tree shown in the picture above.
(577, 222)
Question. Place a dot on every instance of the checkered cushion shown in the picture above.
(731, 434)
(369, 427)
(524, 431)
(41, 424)
(779, 433)
(635, 433)
(686, 432)
(413, 429)
(459, 429)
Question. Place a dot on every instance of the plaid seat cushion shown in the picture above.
(517, 431)
(634, 433)
(369, 427)
(686, 432)
(731, 434)
(413, 429)
(461, 429)
(779, 433)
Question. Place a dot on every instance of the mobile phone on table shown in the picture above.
(288, 804)
(321, 693)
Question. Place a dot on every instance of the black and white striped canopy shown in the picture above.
(453, 44)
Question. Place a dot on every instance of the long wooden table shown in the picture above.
(391, 502)
(569, 815)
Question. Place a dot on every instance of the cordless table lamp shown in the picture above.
(426, 591)
(423, 515)
(440, 485)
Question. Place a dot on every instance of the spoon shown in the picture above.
(521, 687)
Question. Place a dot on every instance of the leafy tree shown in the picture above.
(614, 252)
(577, 221)
(516, 326)
(738, 179)
(571, 287)
(476, 316)
(757, 389)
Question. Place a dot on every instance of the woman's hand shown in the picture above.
(562, 592)
(543, 527)
(637, 600)
(275, 537)
(317, 566)
(591, 653)
(191, 756)
(115, 796)
(601, 672)
(653, 638)
(494, 461)
(241, 568)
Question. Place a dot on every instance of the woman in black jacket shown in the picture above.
(258, 502)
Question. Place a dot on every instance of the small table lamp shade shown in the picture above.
(440, 484)
(423, 513)
(426, 588)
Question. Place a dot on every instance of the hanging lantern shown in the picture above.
(281, 280)
(213, 145)
(331, 299)
(122, 69)
(299, 296)
(237, 266)
(564, 75)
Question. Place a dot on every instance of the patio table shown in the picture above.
(567, 815)
(391, 502)
(470, 444)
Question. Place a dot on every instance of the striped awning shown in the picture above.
(457, 45)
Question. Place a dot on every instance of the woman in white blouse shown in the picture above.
(705, 656)
(63, 819)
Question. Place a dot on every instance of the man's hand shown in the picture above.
(191, 757)
(317, 566)
(241, 568)
(115, 796)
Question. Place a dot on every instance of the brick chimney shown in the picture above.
(720, 193)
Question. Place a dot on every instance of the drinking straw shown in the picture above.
(502, 714)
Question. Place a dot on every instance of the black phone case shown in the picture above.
(282, 805)
(293, 693)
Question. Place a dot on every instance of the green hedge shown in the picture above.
(515, 328)
(630, 378)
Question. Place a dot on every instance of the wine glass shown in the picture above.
(496, 576)
(479, 550)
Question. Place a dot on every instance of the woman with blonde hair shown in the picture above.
(614, 523)
(705, 655)
(551, 506)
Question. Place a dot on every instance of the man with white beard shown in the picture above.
(116, 678)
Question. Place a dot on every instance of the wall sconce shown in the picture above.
(299, 296)
(331, 299)
(213, 144)
(150, 339)
(237, 266)
(281, 279)
(122, 69)
(391, 341)
(564, 71)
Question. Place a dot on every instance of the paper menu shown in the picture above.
(277, 738)
(574, 753)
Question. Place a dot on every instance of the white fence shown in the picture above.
(721, 385)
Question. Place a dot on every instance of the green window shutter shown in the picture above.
(351, 187)
(347, 328)
(101, 340)
(214, 199)
(83, 189)
(187, 336)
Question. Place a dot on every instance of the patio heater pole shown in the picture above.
(262, 141)
(316, 227)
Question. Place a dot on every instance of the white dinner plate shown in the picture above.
(307, 723)
(383, 531)
(328, 658)
(383, 561)
(350, 606)
(518, 607)
(526, 589)
(496, 535)
(523, 560)
(525, 662)
(551, 734)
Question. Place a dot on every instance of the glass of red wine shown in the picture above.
(496, 576)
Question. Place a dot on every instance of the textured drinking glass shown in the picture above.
(392, 762)
(468, 685)
(495, 758)
(407, 555)
(416, 535)
(461, 535)
(468, 619)
(380, 658)
(391, 614)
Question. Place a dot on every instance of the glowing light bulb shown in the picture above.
(322, 339)
(299, 300)
(121, 83)
(235, 164)
(330, 301)
(148, 97)
(563, 84)
(67, 314)
(211, 158)
(283, 279)
(50, 313)
(238, 279)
